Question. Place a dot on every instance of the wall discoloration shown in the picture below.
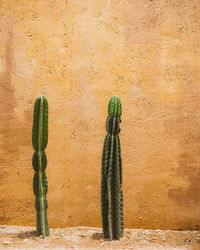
(14, 134)
(79, 54)
(186, 126)
(8, 131)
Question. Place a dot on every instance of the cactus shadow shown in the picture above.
(26, 234)
(97, 236)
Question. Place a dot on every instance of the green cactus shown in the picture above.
(111, 175)
(39, 162)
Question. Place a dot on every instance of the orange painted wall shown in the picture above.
(79, 54)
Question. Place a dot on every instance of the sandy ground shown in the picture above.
(17, 237)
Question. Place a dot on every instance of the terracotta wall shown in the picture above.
(79, 54)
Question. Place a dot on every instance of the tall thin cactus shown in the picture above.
(111, 175)
(39, 162)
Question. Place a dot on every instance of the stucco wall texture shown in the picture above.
(79, 54)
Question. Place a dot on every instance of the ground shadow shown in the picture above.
(26, 234)
(97, 236)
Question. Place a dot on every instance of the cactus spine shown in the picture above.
(39, 162)
(111, 175)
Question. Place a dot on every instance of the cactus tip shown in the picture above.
(115, 107)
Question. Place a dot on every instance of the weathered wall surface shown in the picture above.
(79, 54)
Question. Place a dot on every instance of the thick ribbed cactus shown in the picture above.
(111, 175)
(39, 162)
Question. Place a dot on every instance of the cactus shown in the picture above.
(111, 175)
(39, 162)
